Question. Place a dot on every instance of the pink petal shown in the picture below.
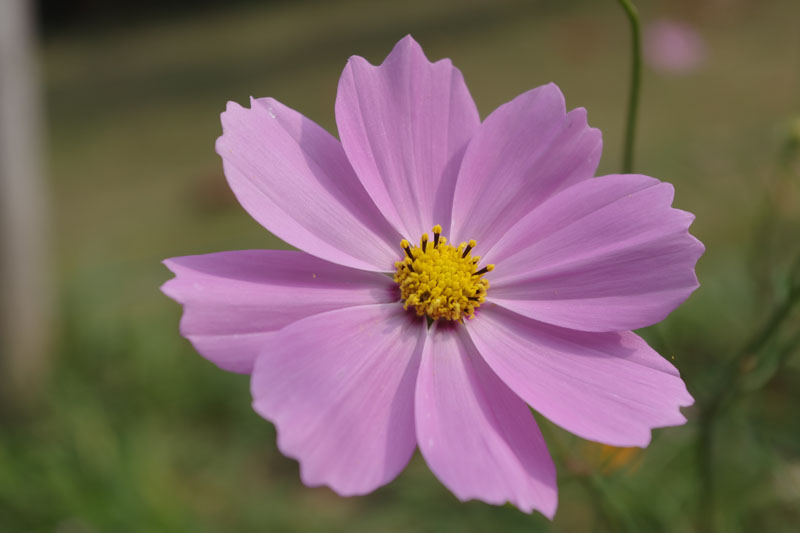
(607, 387)
(523, 153)
(608, 254)
(404, 126)
(294, 179)
(339, 387)
(477, 436)
(232, 300)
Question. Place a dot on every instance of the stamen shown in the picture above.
(469, 247)
(437, 231)
(484, 270)
(407, 247)
(424, 242)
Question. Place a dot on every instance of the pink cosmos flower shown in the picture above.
(365, 345)
(673, 47)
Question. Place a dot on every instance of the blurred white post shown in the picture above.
(26, 295)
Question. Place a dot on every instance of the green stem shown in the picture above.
(613, 511)
(636, 81)
(729, 386)
(705, 470)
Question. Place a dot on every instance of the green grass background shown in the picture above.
(136, 432)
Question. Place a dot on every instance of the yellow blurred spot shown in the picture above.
(610, 459)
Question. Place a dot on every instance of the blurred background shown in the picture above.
(117, 425)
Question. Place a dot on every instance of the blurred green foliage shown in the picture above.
(138, 433)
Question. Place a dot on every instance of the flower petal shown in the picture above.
(294, 178)
(608, 254)
(232, 300)
(477, 436)
(339, 387)
(404, 126)
(524, 152)
(607, 387)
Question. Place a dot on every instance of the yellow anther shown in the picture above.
(484, 270)
(441, 281)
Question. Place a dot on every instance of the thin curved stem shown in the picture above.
(730, 386)
(636, 81)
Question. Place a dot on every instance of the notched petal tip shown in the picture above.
(579, 117)
(231, 107)
(697, 243)
(687, 220)
(407, 44)
(408, 39)
(306, 478)
(549, 513)
(235, 110)
(687, 401)
(669, 191)
(550, 92)
(232, 110)
(554, 91)
(405, 47)
(169, 263)
(447, 63)
(169, 288)
(356, 61)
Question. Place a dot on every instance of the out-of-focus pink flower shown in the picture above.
(673, 47)
(342, 357)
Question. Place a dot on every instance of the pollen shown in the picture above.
(439, 280)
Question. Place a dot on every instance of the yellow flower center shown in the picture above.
(439, 280)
